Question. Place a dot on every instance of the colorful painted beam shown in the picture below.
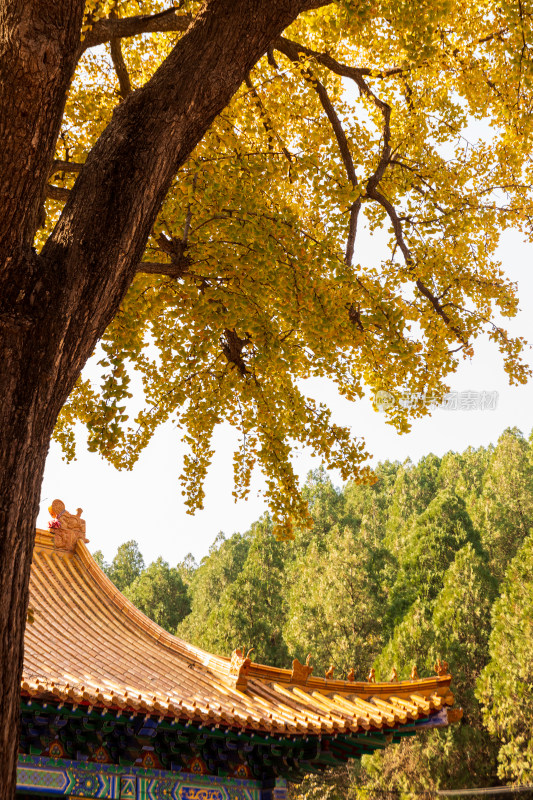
(74, 779)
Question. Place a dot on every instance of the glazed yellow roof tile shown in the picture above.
(88, 645)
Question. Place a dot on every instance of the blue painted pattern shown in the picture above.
(77, 779)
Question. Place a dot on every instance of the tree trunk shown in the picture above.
(55, 306)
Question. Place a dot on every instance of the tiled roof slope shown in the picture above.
(88, 645)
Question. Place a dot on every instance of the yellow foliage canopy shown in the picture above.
(363, 112)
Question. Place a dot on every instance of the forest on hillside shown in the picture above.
(434, 560)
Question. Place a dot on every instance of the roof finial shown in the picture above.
(372, 675)
(393, 676)
(441, 667)
(68, 528)
(330, 671)
(301, 672)
(240, 665)
(351, 675)
(414, 673)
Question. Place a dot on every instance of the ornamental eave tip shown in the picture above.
(67, 528)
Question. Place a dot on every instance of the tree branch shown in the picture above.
(232, 347)
(271, 133)
(113, 28)
(291, 48)
(175, 269)
(57, 193)
(120, 68)
(119, 64)
(342, 141)
(65, 166)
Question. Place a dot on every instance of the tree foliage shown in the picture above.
(337, 601)
(505, 508)
(429, 546)
(160, 593)
(126, 566)
(219, 570)
(360, 116)
(506, 684)
(253, 607)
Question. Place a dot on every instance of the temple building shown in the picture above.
(113, 706)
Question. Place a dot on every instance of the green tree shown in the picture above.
(326, 506)
(504, 511)
(369, 506)
(216, 572)
(407, 770)
(410, 644)
(252, 608)
(463, 473)
(187, 567)
(462, 626)
(126, 566)
(414, 488)
(455, 626)
(337, 602)
(100, 560)
(160, 593)
(429, 546)
(337, 783)
(506, 685)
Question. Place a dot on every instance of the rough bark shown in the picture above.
(55, 306)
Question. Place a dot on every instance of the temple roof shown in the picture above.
(89, 646)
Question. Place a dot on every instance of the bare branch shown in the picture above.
(57, 193)
(291, 49)
(120, 68)
(65, 166)
(176, 269)
(344, 148)
(106, 29)
(267, 124)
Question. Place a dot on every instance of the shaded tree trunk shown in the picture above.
(55, 306)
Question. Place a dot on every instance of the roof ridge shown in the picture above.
(222, 665)
(137, 616)
(88, 645)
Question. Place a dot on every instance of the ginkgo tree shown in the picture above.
(182, 190)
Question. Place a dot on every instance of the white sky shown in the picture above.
(146, 503)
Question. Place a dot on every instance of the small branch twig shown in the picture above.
(290, 48)
(119, 63)
(342, 142)
(267, 124)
